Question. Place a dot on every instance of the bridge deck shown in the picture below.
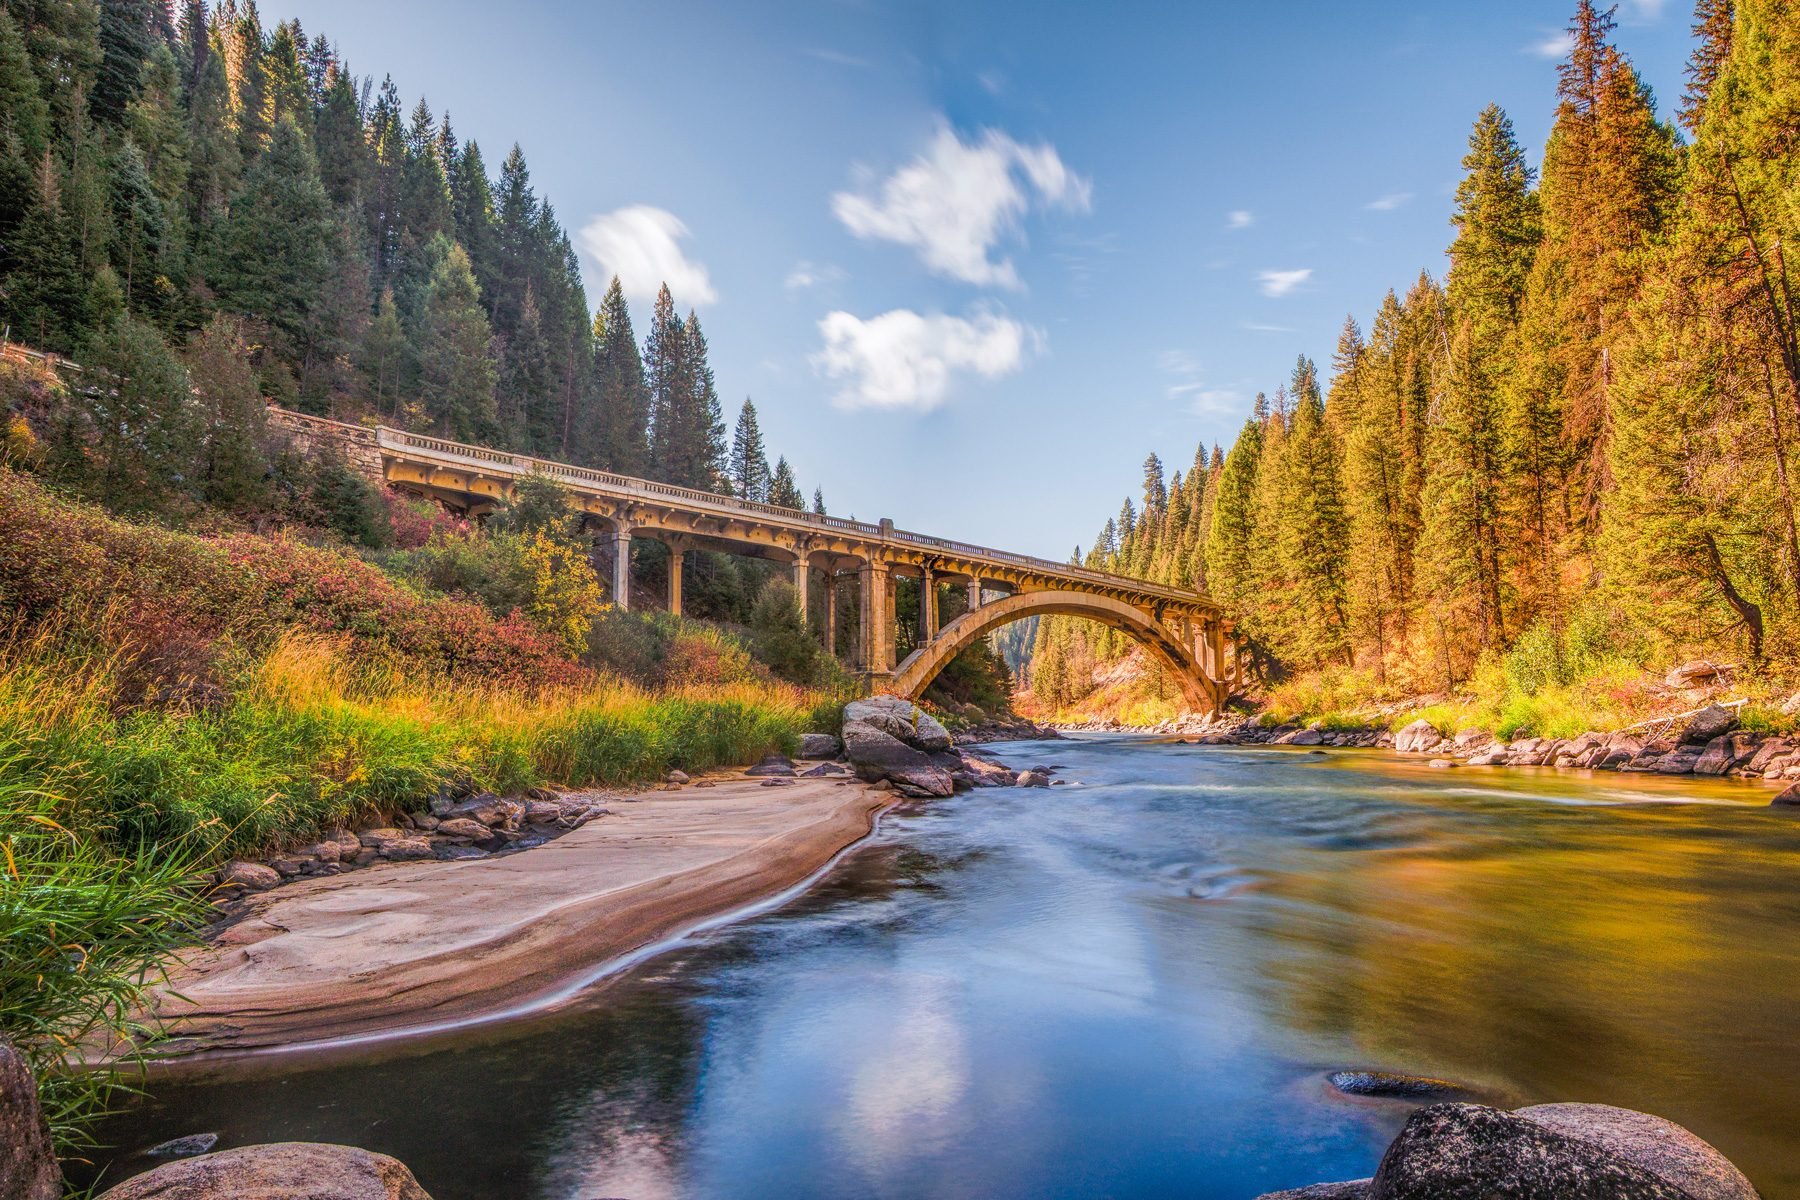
(400, 444)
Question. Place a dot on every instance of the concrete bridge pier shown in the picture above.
(875, 656)
(621, 565)
(677, 562)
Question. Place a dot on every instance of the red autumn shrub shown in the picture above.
(138, 583)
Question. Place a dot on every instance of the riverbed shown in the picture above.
(1132, 985)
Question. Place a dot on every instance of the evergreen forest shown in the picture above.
(1571, 457)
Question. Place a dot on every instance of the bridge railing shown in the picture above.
(484, 458)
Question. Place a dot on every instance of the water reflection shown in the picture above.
(1131, 988)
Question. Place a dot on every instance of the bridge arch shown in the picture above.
(1203, 694)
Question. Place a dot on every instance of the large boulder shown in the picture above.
(278, 1171)
(898, 718)
(1546, 1152)
(877, 755)
(1417, 738)
(815, 746)
(1661, 1147)
(1715, 720)
(28, 1169)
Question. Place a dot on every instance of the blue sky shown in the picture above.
(974, 261)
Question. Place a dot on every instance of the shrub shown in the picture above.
(778, 631)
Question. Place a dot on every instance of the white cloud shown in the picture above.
(807, 274)
(1239, 218)
(903, 359)
(642, 246)
(1280, 283)
(1645, 10)
(956, 201)
(1552, 45)
(1389, 202)
(1257, 327)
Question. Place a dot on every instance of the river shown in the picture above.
(1129, 986)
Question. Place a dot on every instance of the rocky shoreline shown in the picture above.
(1706, 742)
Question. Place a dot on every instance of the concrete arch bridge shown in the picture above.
(963, 592)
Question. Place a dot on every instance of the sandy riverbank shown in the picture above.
(432, 943)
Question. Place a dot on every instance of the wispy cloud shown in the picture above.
(956, 201)
(1257, 327)
(1551, 45)
(835, 57)
(642, 246)
(1280, 283)
(906, 360)
(806, 274)
(1190, 385)
(1389, 202)
(992, 82)
(1642, 12)
(1239, 218)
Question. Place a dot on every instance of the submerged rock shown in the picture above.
(28, 1169)
(1392, 1083)
(278, 1171)
(184, 1147)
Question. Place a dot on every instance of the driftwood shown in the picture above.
(1655, 727)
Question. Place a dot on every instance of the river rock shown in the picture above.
(1033, 778)
(877, 755)
(1472, 1152)
(1621, 748)
(278, 1171)
(462, 827)
(487, 808)
(254, 876)
(1787, 797)
(28, 1169)
(1661, 1147)
(898, 718)
(405, 849)
(676, 777)
(1709, 723)
(1417, 738)
(820, 745)
(772, 765)
(1696, 674)
(1442, 764)
(543, 812)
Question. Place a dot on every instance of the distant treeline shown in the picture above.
(1584, 436)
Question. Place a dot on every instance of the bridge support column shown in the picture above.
(974, 594)
(677, 559)
(802, 577)
(831, 603)
(928, 604)
(621, 580)
(876, 654)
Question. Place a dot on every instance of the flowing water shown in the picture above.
(1130, 986)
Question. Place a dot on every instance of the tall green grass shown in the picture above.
(313, 739)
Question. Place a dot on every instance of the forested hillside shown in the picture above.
(183, 192)
(1572, 455)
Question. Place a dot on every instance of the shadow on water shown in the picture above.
(1130, 986)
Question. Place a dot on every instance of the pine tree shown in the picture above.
(783, 491)
(274, 258)
(613, 429)
(233, 460)
(47, 296)
(818, 502)
(748, 468)
(456, 369)
(127, 36)
(140, 429)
